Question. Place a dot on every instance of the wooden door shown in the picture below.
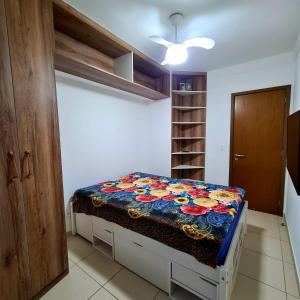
(258, 146)
(14, 265)
(31, 41)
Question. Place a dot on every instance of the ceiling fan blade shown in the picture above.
(160, 40)
(165, 62)
(202, 42)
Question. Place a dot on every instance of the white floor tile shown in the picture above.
(162, 296)
(263, 268)
(287, 252)
(128, 286)
(77, 285)
(71, 263)
(263, 216)
(249, 289)
(79, 248)
(263, 244)
(263, 223)
(103, 294)
(289, 297)
(284, 234)
(100, 267)
(291, 280)
(281, 220)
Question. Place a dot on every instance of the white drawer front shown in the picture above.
(194, 281)
(146, 263)
(103, 230)
(84, 226)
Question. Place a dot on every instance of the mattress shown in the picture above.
(195, 217)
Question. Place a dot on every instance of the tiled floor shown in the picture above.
(266, 270)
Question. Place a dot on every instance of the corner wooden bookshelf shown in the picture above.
(188, 125)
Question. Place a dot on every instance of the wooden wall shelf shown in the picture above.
(85, 49)
(188, 126)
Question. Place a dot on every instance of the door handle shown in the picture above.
(12, 167)
(26, 173)
(237, 156)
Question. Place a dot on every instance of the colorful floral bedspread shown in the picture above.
(191, 216)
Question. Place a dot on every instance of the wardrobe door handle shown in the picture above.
(12, 167)
(26, 165)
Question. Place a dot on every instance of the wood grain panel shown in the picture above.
(198, 80)
(180, 129)
(67, 46)
(188, 145)
(31, 39)
(14, 264)
(258, 133)
(77, 67)
(189, 174)
(76, 25)
(192, 100)
(188, 130)
(146, 65)
(191, 159)
(198, 115)
(145, 80)
(95, 45)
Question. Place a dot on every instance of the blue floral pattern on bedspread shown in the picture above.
(200, 210)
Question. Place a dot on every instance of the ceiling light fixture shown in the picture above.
(177, 52)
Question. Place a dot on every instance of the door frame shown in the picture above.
(287, 89)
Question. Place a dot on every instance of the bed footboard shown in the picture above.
(228, 271)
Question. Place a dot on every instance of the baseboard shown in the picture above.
(69, 233)
(51, 285)
(293, 253)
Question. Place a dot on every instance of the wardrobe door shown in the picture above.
(31, 40)
(14, 267)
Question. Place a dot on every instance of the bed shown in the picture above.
(182, 235)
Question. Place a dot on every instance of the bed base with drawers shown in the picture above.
(175, 272)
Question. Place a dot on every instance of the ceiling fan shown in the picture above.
(177, 52)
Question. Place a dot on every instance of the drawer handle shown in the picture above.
(207, 281)
(26, 165)
(137, 244)
(12, 167)
(107, 230)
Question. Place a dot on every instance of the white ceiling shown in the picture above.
(244, 30)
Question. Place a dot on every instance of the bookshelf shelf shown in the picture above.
(188, 93)
(187, 153)
(187, 108)
(188, 125)
(187, 167)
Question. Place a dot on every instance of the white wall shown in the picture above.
(292, 205)
(159, 137)
(106, 133)
(103, 132)
(263, 73)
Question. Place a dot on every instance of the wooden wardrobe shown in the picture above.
(33, 253)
